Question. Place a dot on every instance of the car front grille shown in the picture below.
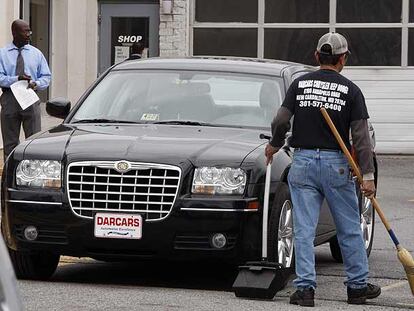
(146, 188)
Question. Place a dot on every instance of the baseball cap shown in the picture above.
(336, 41)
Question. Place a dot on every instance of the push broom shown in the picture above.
(403, 255)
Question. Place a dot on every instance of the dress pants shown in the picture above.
(12, 117)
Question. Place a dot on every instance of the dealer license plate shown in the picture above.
(118, 226)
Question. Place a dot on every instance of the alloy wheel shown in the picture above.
(285, 235)
(367, 214)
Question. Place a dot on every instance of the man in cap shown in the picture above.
(320, 170)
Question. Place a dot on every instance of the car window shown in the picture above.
(298, 74)
(152, 96)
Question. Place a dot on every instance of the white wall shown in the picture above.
(389, 94)
(9, 11)
(74, 47)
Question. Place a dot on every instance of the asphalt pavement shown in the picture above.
(86, 284)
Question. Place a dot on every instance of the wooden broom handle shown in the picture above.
(354, 166)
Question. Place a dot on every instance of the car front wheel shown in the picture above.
(280, 237)
(38, 265)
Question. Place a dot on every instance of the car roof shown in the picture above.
(215, 63)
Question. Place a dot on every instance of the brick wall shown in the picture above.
(174, 30)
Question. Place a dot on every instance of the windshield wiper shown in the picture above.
(102, 121)
(184, 122)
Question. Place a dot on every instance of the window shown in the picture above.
(411, 47)
(411, 11)
(225, 42)
(289, 29)
(126, 31)
(297, 11)
(296, 45)
(373, 47)
(226, 11)
(227, 99)
(368, 11)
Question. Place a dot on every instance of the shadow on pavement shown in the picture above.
(189, 275)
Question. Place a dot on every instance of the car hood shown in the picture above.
(169, 144)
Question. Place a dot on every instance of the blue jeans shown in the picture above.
(315, 175)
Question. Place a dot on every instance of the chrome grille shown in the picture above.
(146, 188)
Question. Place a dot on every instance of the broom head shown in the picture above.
(408, 263)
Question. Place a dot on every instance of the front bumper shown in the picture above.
(184, 234)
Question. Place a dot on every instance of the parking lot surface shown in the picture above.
(86, 284)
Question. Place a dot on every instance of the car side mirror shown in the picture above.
(58, 107)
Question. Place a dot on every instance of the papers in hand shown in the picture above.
(24, 96)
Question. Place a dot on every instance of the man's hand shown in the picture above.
(368, 188)
(269, 152)
(32, 85)
(24, 77)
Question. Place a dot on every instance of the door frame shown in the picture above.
(148, 6)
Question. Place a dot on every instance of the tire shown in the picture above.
(280, 235)
(38, 265)
(367, 227)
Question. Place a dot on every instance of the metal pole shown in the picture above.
(266, 211)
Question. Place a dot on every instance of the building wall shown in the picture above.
(74, 40)
(74, 44)
(174, 30)
(381, 38)
(74, 58)
(389, 94)
(9, 11)
(74, 52)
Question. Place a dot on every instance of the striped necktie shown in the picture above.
(20, 63)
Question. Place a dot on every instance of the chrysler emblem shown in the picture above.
(122, 166)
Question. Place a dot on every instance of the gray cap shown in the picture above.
(336, 41)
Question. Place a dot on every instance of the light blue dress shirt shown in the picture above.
(35, 65)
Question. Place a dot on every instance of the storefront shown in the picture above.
(81, 38)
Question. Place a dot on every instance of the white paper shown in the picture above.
(121, 53)
(24, 96)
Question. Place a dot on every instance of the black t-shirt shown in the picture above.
(339, 96)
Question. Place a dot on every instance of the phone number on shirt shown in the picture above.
(305, 103)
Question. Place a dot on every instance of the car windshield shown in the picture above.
(183, 97)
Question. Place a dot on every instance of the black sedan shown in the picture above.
(160, 158)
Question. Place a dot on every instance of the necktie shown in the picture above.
(20, 63)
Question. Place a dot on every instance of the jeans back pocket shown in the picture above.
(298, 173)
(339, 174)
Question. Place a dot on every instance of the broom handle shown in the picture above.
(266, 211)
(357, 172)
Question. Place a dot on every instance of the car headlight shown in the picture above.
(39, 173)
(214, 180)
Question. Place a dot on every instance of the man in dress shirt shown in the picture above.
(20, 61)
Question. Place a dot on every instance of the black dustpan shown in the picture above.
(261, 279)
